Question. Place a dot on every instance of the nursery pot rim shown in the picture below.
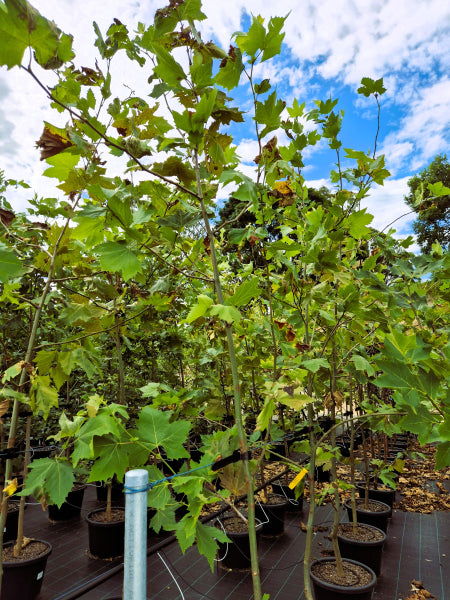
(365, 543)
(103, 509)
(14, 564)
(237, 534)
(277, 504)
(387, 508)
(350, 590)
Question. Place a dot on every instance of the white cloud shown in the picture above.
(387, 205)
(404, 41)
(423, 132)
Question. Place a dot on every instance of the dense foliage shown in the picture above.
(128, 306)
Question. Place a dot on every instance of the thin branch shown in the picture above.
(82, 337)
(107, 140)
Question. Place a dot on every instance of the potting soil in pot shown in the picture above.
(23, 576)
(354, 575)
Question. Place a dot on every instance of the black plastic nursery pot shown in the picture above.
(117, 493)
(271, 516)
(322, 475)
(284, 490)
(377, 518)
(22, 580)
(69, 509)
(12, 519)
(383, 493)
(276, 450)
(326, 590)
(237, 554)
(369, 552)
(106, 539)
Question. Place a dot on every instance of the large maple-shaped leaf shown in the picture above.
(21, 26)
(207, 538)
(10, 265)
(115, 257)
(43, 395)
(101, 424)
(157, 431)
(49, 479)
(112, 459)
(174, 166)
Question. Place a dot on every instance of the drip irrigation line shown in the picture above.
(15, 451)
(218, 464)
(171, 574)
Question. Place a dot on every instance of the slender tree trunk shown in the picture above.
(237, 399)
(19, 541)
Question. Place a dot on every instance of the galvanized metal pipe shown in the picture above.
(135, 559)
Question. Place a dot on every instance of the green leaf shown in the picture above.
(438, 189)
(205, 107)
(206, 541)
(229, 314)
(442, 456)
(49, 478)
(156, 431)
(444, 429)
(199, 309)
(420, 421)
(21, 26)
(357, 222)
(268, 113)
(246, 291)
(10, 265)
(167, 68)
(115, 256)
(362, 364)
(229, 74)
(111, 459)
(100, 424)
(274, 39)
(369, 86)
(42, 395)
(266, 414)
(191, 10)
(314, 364)
(174, 166)
(257, 38)
(297, 400)
(62, 165)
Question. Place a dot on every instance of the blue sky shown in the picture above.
(328, 47)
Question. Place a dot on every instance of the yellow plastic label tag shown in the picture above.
(298, 478)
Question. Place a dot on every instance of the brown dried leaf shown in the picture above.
(52, 143)
(6, 217)
(290, 333)
(4, 407)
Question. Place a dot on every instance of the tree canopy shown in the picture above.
(433, 214)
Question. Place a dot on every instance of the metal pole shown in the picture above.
(135, 561)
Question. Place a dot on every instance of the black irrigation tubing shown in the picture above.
(217, 465)
(14, 452)
(86, 587)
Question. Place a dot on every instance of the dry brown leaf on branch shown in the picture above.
(6, 217)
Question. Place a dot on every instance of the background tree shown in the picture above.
(433, 214)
